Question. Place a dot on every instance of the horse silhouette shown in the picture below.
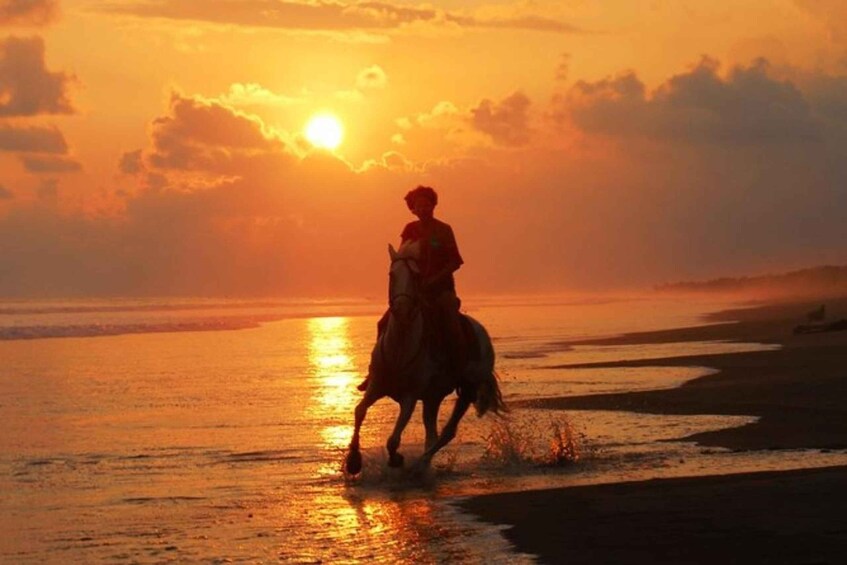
(410, 368)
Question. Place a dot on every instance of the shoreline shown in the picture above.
(798, 393)
(763, 517)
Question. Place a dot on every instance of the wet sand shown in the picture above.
(799, 394)
(785, 517)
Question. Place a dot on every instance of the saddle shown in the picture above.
(467, 349)
(435, 331)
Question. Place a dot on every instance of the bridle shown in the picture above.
(414, 298)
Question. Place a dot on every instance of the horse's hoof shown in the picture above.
(395, 460)
(354, 462)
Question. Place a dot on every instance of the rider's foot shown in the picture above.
(363, 386)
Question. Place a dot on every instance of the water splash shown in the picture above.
(566, 447)
(513, 444)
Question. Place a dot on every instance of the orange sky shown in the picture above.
(156, 147)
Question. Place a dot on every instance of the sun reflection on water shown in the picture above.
(384, 520)
(334, 375)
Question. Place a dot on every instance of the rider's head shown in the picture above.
(421, 201)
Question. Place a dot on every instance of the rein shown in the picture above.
(415, 299)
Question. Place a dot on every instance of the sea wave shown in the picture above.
(163, 305)
(93, 318)
(97, 330)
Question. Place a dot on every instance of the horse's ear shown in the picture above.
(392, 252)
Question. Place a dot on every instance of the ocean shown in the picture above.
(153, 430)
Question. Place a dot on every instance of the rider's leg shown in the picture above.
(448, 306)
(380, 329)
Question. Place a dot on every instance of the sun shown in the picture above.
(324, 131)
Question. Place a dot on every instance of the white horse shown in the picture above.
(408, 370)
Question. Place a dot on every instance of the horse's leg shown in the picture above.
(407, 407)
(430, 418)
(354, 456)
(449, 431)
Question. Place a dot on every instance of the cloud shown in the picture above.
(745, 106)
(434, 132)
(530, 23)
(505, 122)
(253, 94)
(372, 77)
(564, 68)
(200, 134)
(391, 160)
(32, 139)
(5, 193)
(326, 15)
(828, 96)
(27, 12)
(44, 164)
(443, 109)
(27, 88)
(130, 163)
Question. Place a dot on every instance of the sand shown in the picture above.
(785, 517)
(799, 392)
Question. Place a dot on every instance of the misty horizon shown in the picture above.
(272, 161)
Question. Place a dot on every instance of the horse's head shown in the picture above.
(403, 281)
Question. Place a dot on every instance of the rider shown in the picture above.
(439, 259)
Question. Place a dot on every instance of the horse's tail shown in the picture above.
(488, 395)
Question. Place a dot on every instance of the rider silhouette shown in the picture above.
(439, 259)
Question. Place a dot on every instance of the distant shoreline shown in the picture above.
(799, 392)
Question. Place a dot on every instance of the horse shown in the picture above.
(410, 370)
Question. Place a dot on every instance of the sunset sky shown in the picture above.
(156, 147)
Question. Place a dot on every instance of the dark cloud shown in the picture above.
(27, 12)
(5, 193)
(533, 23)
(507, 122)
(828, 96)
(27, 88)
(32, 139)
(746, 106)
(324, 15)
(205, 135)
(564, 68)
(130, 163)
(49, 164)
(372, 77)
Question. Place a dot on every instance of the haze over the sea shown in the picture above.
(207, 147)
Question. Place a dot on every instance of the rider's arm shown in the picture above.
(448, 270)
(454, 259)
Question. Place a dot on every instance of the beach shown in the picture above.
(798, 393)
(160, 430)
